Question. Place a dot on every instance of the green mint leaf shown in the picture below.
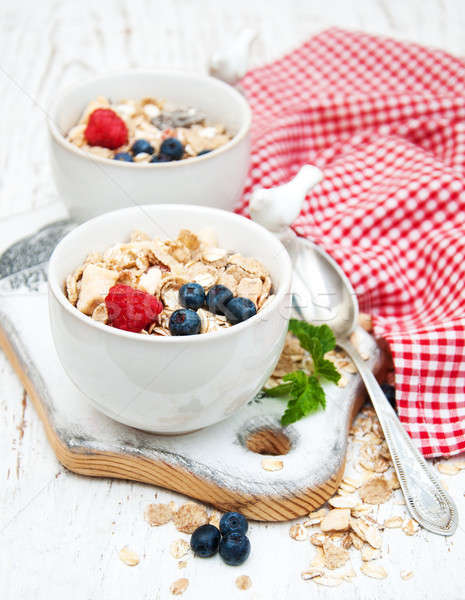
(298, 380)
(278, 391)
(327, 370)
(308, 401)
(303, 331)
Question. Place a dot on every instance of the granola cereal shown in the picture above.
(146, 130)
(158, 514)
(189, 516)
(169, 287)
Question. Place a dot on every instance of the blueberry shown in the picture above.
(205, 541)
(184, 322)
(239, 309)
(233, 521)
(192, 295)
(142, 146)
(158, 158)
(173, 148)
(202, 152)
(390, 393)
(217, 298)
(124, 156)
(234, 548)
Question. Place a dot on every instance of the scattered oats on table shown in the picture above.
(375, 491)
(448, 468)
(179, 586)
(337, 519)
(129, 557)
(243, 582)
(189, 516)
(179, 548)
(373, 570)
(158, 514)
(298, 532)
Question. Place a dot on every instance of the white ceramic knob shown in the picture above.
(277, 208)
(230, 64)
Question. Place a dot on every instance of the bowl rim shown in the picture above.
(57, 290)
(62, 141)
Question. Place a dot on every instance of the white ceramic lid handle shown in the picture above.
(230, 63)
(277, 208)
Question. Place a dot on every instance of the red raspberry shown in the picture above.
(131, 309)
(106, 129)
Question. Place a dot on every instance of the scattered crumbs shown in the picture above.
(189, 516)
(215, 518)
(182, 564)
(393, 522)
(373, 570)
(328, 580)
(158, 514)
(375, 491)
(311, 573)
(243, 582)
(410, 527)
(336, 520)
(129, 557)
(334, 556)
(406, 575)
(448, 468)
(179, 548)
(179, 586)
(272, 464)
(298, 532)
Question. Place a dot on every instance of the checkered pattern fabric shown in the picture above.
(385, 121)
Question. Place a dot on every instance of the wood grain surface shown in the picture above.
(60, 533)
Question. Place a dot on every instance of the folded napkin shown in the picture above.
(385, 120)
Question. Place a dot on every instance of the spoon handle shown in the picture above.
(427, 501)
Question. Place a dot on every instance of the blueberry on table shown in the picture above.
(124, 156)
(233, 521)
(205, 541)
(202, 152)
(172, 148)
(192, 295)
(217, 298)
(234, 548)
(160, 158)
(142, 146)
(184, 322)
(239, 309)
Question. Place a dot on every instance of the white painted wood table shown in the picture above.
(60, 533)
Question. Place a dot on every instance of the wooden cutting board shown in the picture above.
(220, 465)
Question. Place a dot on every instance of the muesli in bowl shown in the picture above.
(169, 287)
(146, 130)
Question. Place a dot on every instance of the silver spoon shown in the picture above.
(321, 293)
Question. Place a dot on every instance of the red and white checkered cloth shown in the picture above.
(385, 120)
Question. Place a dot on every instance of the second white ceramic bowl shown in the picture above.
(169, 384)
(90, 185)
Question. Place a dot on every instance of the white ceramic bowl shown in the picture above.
(169, 384)
(91, 185)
